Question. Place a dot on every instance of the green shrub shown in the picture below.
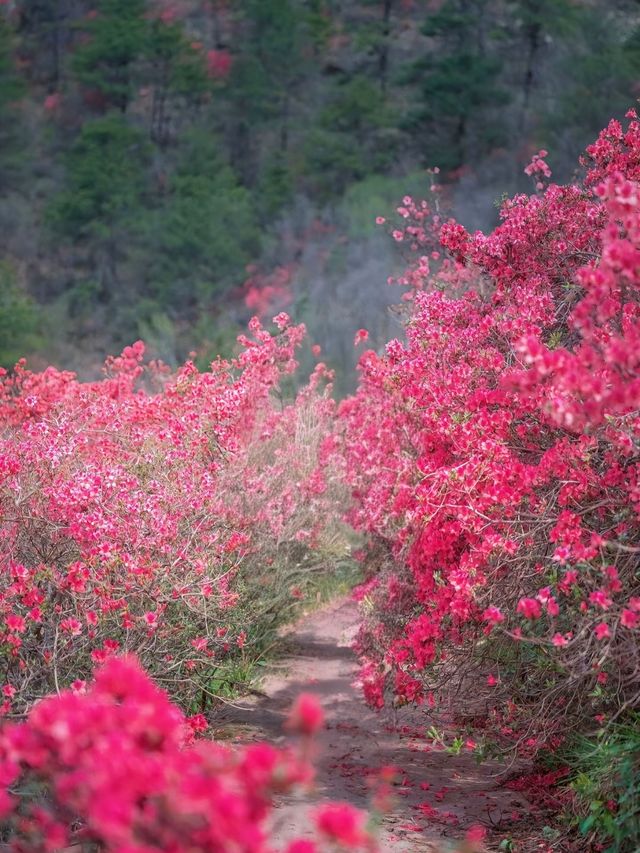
(606, 784)
(19, 320)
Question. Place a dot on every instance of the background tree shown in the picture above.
(101, 204)
(194, 252)
(46, 33)
(535, 24)
(264, 82)
(310, 115)
(116, 35)
(12, 90)
(176, 73)
(600, 73)
(353, 138)
(20, 322)
(457, 83)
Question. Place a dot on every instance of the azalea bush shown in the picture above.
(175, 515)
(117, 767)
(496, 454)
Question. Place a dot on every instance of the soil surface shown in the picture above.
(437, 795)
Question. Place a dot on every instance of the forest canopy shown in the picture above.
(168, 165)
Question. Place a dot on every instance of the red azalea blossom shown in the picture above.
(306, 715)
(219, 63)
(530, 608)
(109, 753)
(342, 823)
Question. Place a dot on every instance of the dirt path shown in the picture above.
(438, 794)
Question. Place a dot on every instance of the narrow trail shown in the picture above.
(438, 795)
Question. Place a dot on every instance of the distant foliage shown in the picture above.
(20, 319)
(115, 217)
(12, 89)
(105, 62)
(106, 181)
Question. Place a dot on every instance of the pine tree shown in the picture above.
(117, 38)
(264, 82)
(353, 138)
(374, 37)
(19, 319)
(46, 32)
(458, 83)
(535, 23)
(12, 90)
(176, 71)
(103, 200)
(204, 232)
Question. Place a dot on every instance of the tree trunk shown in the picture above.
(383, 60)
(533, 41)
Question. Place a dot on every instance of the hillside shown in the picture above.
(170, 168)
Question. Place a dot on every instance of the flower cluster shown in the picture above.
(164, 514)
(496, 452)
(116, 768)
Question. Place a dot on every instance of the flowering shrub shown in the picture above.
(496, 453)
(166, 515)
(117, 766)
